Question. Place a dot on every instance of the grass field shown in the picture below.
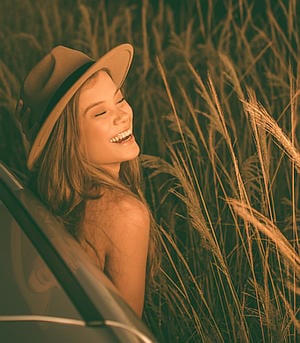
(215, 89)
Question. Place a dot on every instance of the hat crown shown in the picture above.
(43, 81)
(48, 75)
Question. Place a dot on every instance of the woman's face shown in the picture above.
(105, 120)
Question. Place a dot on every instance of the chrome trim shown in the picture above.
(9, 178)
(49, 319)
(69, 321)
(137, 333)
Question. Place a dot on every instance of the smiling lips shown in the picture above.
(121, 137)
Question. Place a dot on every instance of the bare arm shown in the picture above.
(121, 232)
(127, 254)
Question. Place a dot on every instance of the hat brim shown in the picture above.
(117, 61)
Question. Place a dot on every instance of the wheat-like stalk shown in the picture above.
(292, 314)
(261, 117)
(269, 229)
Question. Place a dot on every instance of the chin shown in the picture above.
(138, 150)
(134, 152)
(132, 157)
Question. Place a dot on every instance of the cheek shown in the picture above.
(92, 137)
(92, 128)
(96, 136)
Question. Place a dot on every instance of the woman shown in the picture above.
(83, 160)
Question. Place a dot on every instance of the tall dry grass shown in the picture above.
(215, 90)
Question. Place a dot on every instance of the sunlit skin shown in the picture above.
(103, 114)
(116, 226)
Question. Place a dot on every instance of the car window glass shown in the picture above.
(27, 286)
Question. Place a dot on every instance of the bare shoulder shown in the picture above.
(127, 206)
(120, 215)
(127, 212)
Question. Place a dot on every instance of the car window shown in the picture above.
(27, 286)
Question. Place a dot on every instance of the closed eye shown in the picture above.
(121, 100)
(100, 114)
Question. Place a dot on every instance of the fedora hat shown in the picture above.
(55, 79)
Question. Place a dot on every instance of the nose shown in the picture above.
(122, 115)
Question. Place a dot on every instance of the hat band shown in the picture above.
(63, 88)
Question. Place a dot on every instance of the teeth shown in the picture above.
(121, 136)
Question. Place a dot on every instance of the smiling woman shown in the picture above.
(83, 160)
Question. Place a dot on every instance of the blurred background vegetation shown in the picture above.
(215, 91)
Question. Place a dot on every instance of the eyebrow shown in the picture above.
(99, 102)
